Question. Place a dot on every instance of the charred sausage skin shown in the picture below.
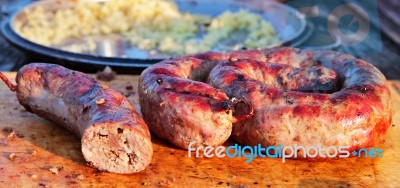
(179, 107)
(113, 135)
(300, 97)
(353, 110)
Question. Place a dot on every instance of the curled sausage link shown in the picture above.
(307, 98)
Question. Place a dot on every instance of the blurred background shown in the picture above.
(380, 47)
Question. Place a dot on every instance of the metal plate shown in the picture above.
(287, 22)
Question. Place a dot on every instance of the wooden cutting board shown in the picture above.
(41, 154)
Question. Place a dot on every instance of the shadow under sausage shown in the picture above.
(53, 138)
(159, 142)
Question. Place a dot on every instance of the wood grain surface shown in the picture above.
(37, 153)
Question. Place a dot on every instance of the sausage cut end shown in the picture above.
(116, 148)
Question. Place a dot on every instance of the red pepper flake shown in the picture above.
(104, 87)
(11, 135)
(233, 59)
(80, 177)
(56, 170)
(34, 177)
(11, 156)
(100, 101)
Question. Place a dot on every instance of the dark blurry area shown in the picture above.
(387, 59)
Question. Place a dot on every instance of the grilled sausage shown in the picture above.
(114, 137)
(306, 98)
(178, 106)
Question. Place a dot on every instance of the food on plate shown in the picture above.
(155, 26)
(288, 97)
(178, 106)
(306, 98)
(113, 135)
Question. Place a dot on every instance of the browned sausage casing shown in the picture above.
(114, 137)
(300, 97)
(306, 98)
(179, 107)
